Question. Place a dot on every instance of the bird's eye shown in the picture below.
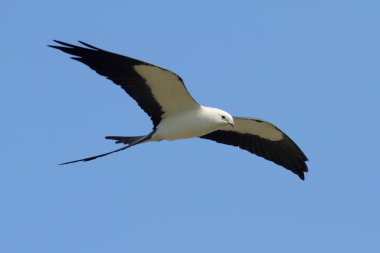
(223, 117)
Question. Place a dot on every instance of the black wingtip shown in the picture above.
(301, 170)
(88, 45)
(62, 46)
(62, 43)
(71, 45)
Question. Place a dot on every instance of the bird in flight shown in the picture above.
(176, 115)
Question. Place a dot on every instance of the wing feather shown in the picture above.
(159, 92)
(265, 140)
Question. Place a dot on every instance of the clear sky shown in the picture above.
(310, 67)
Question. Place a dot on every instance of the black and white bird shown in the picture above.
(176, 115)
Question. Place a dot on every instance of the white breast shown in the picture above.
(188, 124)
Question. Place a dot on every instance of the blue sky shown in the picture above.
(310, 67)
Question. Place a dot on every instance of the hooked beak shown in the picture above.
(231, 124)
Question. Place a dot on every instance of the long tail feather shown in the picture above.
(124, 139)
(97, 156)
(135, 142)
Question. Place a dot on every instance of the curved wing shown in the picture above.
(265, 140)
(159, 92)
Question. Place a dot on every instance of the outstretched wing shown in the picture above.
(159, 92)
(265, 140)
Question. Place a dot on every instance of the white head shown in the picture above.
(222, 117)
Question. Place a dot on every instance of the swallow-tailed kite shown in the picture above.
(176, 115)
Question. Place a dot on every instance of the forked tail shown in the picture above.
(124, 139)
(130, 141)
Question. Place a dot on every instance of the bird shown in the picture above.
(175, 114)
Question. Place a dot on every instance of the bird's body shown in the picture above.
(176, 115)
(190, 123)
